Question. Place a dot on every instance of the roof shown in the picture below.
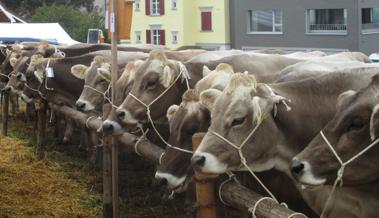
(35, 32)
(9, 16)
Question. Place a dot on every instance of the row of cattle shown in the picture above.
(302, 121)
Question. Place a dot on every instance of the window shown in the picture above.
(206, 20)
(174, 5)
(265, 21)
(370, 20)
(174, 37)
(137, 5)
(138, 36)
(327, 21)
(155, 9)
(155, 35)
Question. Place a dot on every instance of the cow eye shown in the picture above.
(151, 84)
(19, 76)
(238, 121)
(356, 124)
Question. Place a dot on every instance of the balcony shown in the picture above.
(328, 28)
(368, 28)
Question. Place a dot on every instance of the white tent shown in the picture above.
(51, 32)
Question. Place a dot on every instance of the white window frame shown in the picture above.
(137, 5)
(138, 37)
(274, 25)
(154, 32)
(324, 32)
(174, 5)
(369, 30)
(174, 34)
(155, 8)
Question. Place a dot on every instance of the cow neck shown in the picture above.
(340, 172)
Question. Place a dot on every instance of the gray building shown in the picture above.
(293, 25)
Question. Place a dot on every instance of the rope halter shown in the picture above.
(103, 94)
(184, 75)
(341, 170)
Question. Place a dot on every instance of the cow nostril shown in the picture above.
(80, 105)
(120, 114)
(107, 127)
(161, 181)
(198, 160)
(297, 167)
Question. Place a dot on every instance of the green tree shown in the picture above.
(75, 22)
(26, 8)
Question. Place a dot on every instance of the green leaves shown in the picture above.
(75, 22)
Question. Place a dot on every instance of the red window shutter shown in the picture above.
(162, 37)
(161, 7)
(147, 7)
(206, 20)
(148, 37)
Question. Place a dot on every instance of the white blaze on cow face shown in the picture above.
(172, 180)
(308, 178)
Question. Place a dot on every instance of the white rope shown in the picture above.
(103, 94)
(297, 214)
(161, 157)
(90, 118)
(231, 177)
(184, 75)
(141, 138)
(243, 159)
(253, 210)
(341, 170)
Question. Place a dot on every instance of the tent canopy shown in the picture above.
(34, 32)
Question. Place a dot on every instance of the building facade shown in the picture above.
(329, 25)
(176, 23)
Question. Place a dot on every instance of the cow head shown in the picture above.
(185, 120)
(242, 109)
(353, 128)
(97, 78)
(112, 124)
(152, 79)
(17, 78)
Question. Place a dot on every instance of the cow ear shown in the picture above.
(167, 76)
(39, 75)
(343, 96)
(105, 73)
(206, 71)
(79, 71)
(171, 112)
(8, 51)
(208, 98)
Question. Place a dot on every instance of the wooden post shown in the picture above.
(41, 136)
(114, 30)
(5, 113)
(205, 187)
(107, 178)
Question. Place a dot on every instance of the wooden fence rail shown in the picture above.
(232, 193)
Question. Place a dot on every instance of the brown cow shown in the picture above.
(354, 127)
(244, 104)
